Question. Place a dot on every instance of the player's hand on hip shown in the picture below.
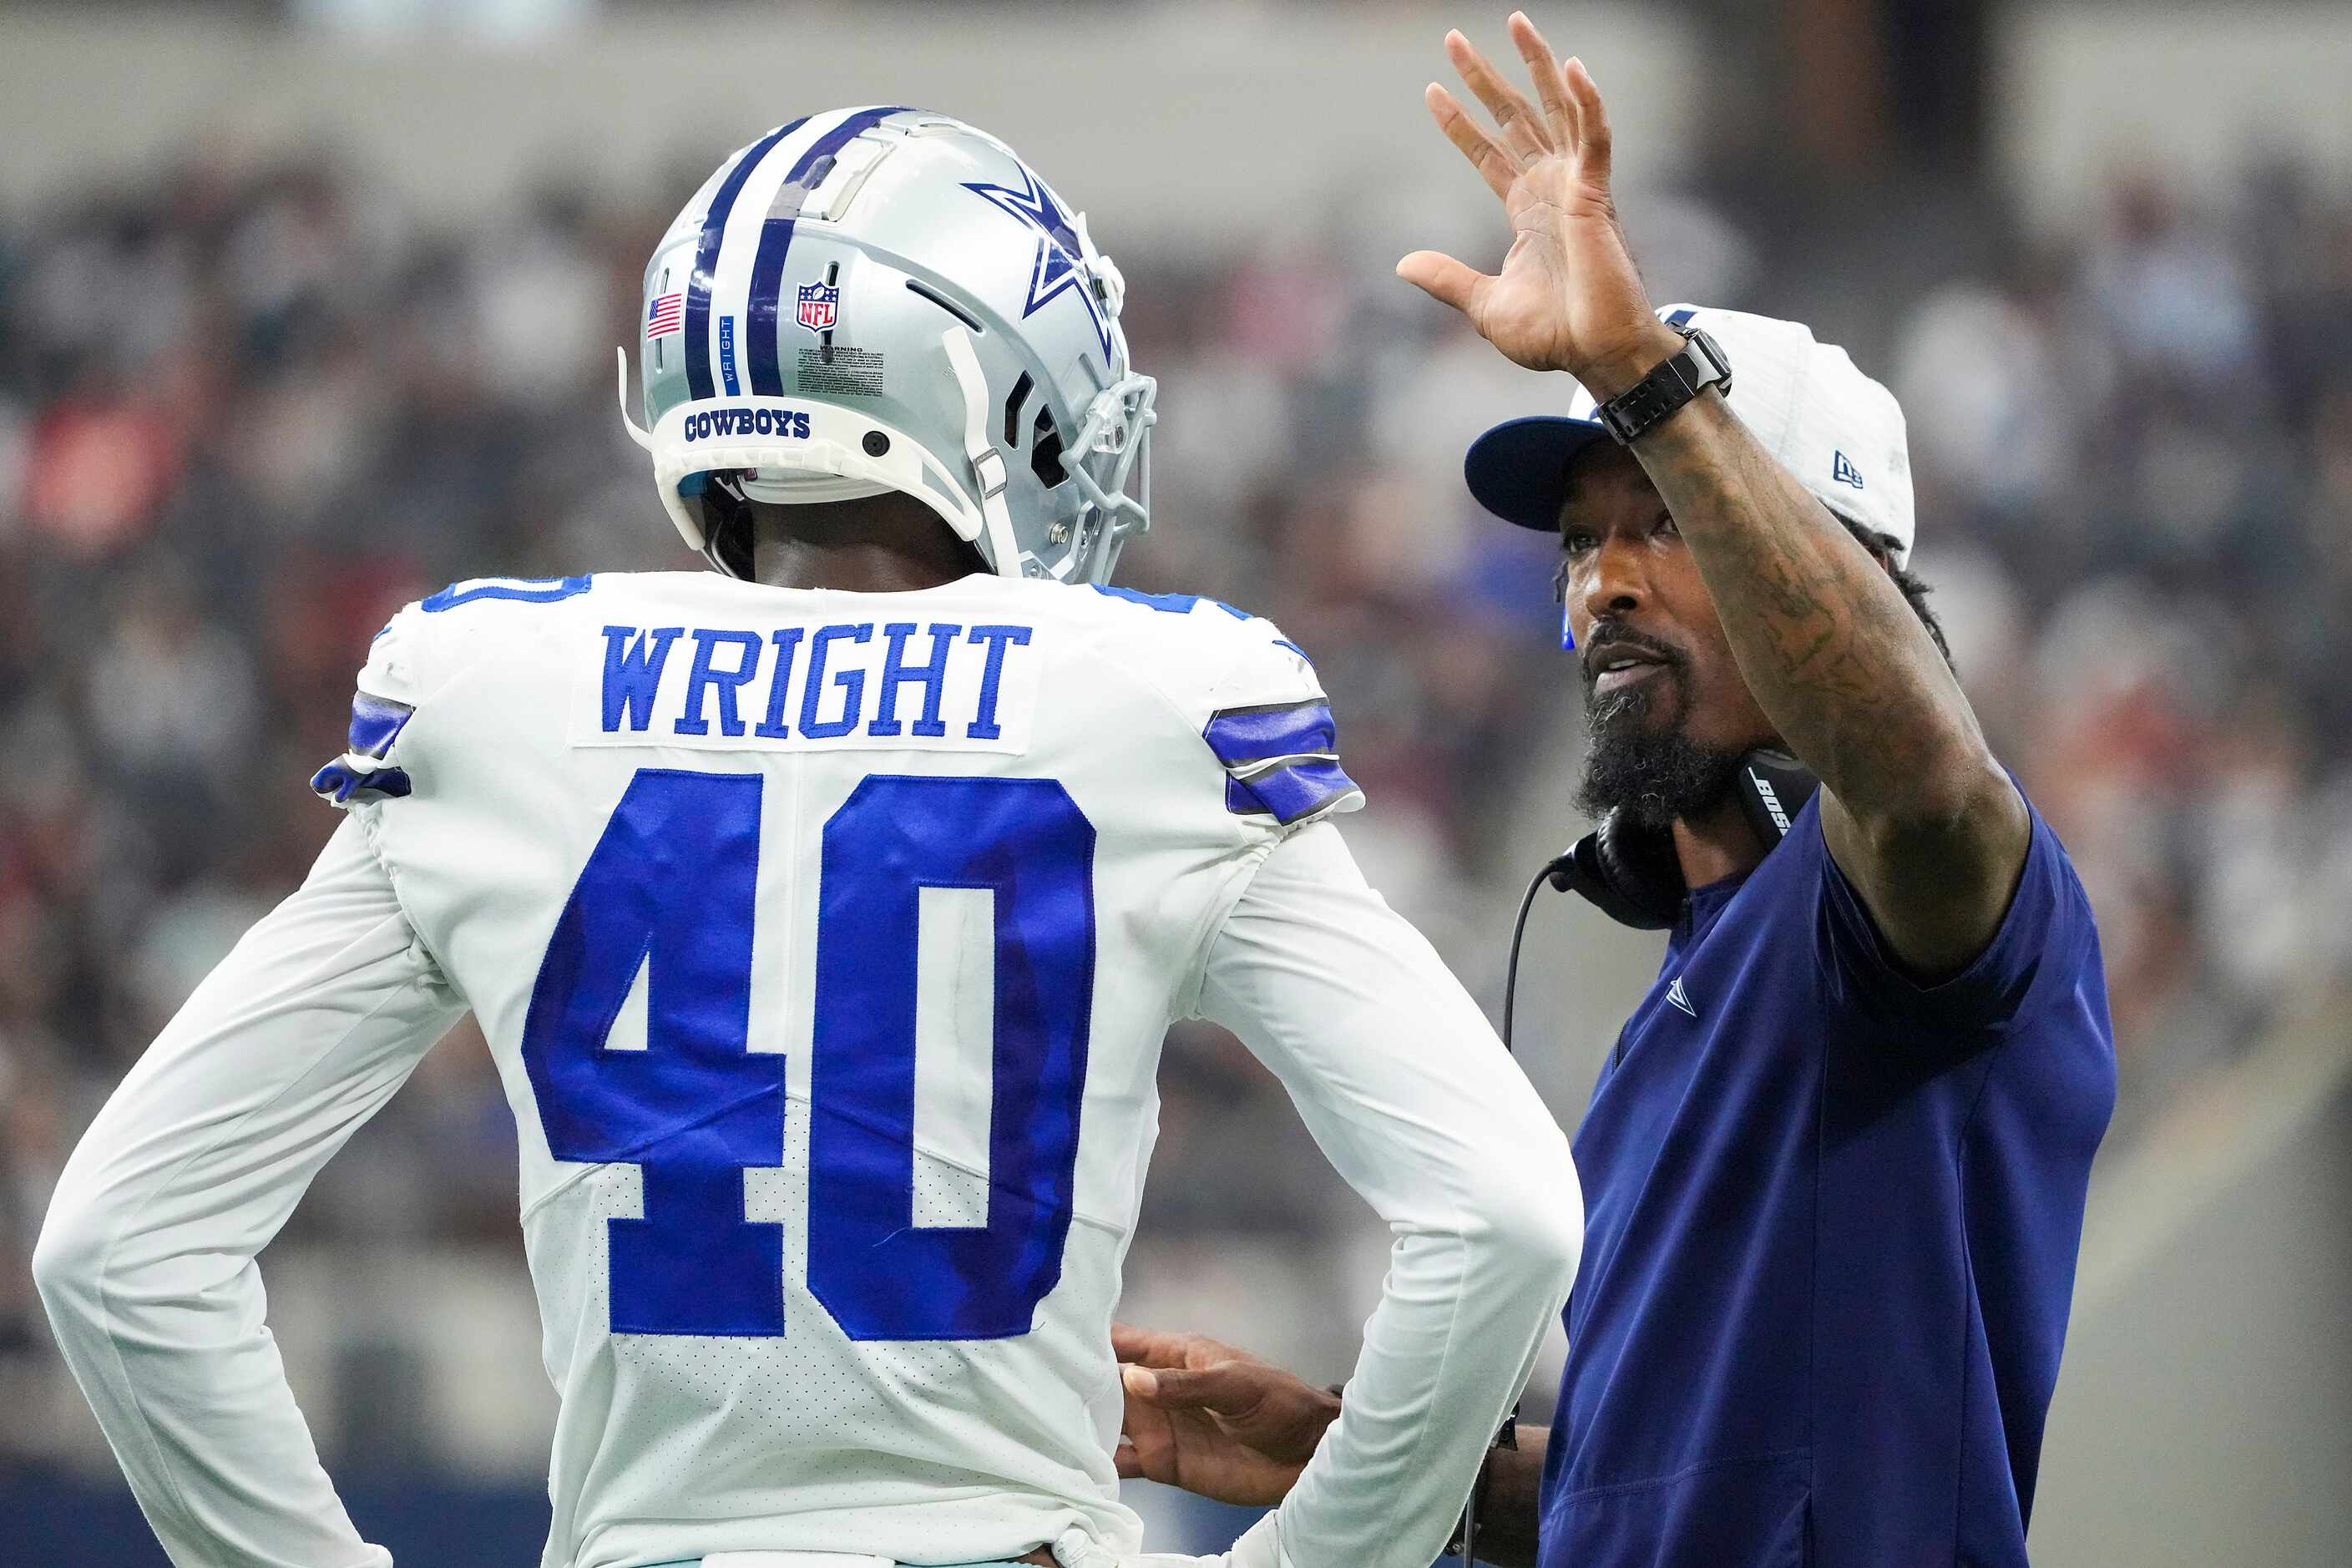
(1215, 1420)
(1567, 297)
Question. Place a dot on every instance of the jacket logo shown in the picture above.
(1676, 997)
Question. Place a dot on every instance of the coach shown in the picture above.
(1834, 1166)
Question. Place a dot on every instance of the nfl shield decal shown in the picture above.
(820, 306)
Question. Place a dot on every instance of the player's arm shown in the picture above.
(1917, 811)
(1402, 1081)
(146, 1261)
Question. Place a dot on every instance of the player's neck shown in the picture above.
(1712, 845)
(883, 544)
(870, 568)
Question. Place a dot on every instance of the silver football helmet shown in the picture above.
(953, 335)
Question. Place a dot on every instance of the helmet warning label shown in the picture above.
(856, 372)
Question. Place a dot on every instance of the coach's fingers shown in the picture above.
(1215, 1388)
(1560, 109)
(1147, 1445)
(1593, 143)
(1494, 162)
(1442, 278)
(1522, 127)
(1151, 1347)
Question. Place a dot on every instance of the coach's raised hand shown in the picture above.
(1567, 297)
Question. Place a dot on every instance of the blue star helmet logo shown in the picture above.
(1058, 266)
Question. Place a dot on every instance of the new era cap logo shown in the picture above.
(1842, 471)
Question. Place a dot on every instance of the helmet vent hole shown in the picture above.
(1046, 457)
(944, 303)
(1012, 410)
(876, 444)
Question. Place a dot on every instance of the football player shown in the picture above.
(824, 912)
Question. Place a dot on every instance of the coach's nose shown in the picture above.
(1615, 581)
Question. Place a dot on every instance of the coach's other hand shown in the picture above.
(1215, 1420)
(1567, 297)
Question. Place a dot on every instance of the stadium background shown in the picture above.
(307, 308)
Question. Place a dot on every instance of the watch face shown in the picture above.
(1718, 364)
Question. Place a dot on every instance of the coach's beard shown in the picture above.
(1653, 772)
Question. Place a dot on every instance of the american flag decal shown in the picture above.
(666, 315)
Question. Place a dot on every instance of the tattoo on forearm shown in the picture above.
(1820, 632)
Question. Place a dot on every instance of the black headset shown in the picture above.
(1628, 870)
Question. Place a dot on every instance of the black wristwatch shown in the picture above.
(1680, 377)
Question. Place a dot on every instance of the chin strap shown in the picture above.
(987, 463)
(641, 436)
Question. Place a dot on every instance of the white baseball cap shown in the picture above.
(1837, 430)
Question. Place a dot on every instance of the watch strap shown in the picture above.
(1698, 364)
(1464, 1541)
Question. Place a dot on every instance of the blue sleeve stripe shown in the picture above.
(1168, 604)
(338, 783)
(1245, 772)
(1290, 794)
(527, 590)
(376, 722)
(1274, 730)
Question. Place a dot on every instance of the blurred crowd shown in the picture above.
(245, 412)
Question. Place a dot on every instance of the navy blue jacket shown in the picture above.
(1832, 1223)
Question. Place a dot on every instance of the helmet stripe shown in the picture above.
(706, 258)
(776, 243)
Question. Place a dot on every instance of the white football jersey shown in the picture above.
(825, 943)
